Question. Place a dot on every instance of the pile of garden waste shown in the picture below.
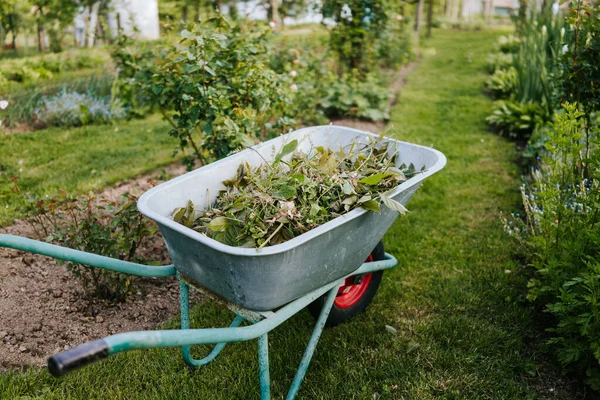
(296, 192)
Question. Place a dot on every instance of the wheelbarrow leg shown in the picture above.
(312, 344)
(263, 364)
(185, 324)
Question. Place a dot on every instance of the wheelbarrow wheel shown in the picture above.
(354, 295)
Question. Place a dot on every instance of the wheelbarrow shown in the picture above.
(334, 269)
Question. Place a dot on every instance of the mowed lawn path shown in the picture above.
(463, 329)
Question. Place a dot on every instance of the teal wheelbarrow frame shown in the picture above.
(261, 322)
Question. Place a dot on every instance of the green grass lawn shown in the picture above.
(78, 159)
(463, 328)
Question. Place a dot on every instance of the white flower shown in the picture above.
(293, 73)
(399, 17)
(3, 104)
(565, 48)
(294, 87)
(544, 30)
(272, 24)
(346, 12)
(555, 8)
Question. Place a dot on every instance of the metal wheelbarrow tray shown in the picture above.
(275, 275)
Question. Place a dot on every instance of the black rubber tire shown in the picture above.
(340, 315)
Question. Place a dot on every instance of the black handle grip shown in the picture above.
(77, 357)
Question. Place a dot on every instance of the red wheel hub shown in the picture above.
(352, 290)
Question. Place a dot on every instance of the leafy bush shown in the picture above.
(357, 32)
(99, 226)
(561, 236)
(362, 99)
(496, 61)
(32, 69)
(508, 44)
(216, 89)
(502, 83)
(74, 109)
(515, 120)
(579, 66)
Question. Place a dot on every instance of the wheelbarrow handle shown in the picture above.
(64, 253)
(77, 357)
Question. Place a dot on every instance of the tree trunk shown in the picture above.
(418, 16)
(93, 24)
(184, 13)
(40, 35)
(197, 14)
(429, 17)
(275, 11)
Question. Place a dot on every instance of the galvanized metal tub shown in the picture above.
(266, 279)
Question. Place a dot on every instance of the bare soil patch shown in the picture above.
(44, 309)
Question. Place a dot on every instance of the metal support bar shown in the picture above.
(79, 356)
(312, 344)
(263, 365)
(186, 351)
(64, 253)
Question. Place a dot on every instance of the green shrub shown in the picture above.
(507, 44)
(352, 97)
(496, 61)
(515, 120)
(75, 109)
(216, 88)
(99, 226)
(561, 236)
(502, 83)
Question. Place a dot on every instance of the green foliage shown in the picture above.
(561, 236)
(13, 17)
(134, 62)
(499, 61)
(98, 226)
(32, 69)
(297, 192)
(27, 101)
(216, 88)
(579, 68)
(355, 37)
(350, 96)
(522, 74)
(508, 44)
(502, 83)
(515, 120)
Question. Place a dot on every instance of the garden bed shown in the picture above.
(45, 310)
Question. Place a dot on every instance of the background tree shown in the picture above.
(13, 14)
(359, 24)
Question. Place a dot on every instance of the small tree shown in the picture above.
(580, 64)
(12, 17)
(216, 88)
(359, 24)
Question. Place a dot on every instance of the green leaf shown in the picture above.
(299, 177)
(373, 179)
(371, 205)
(209, 70)
(348, 188)
(286, 192)
(314, 209)
(393, 204)
(287, 149)
(218, 224)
